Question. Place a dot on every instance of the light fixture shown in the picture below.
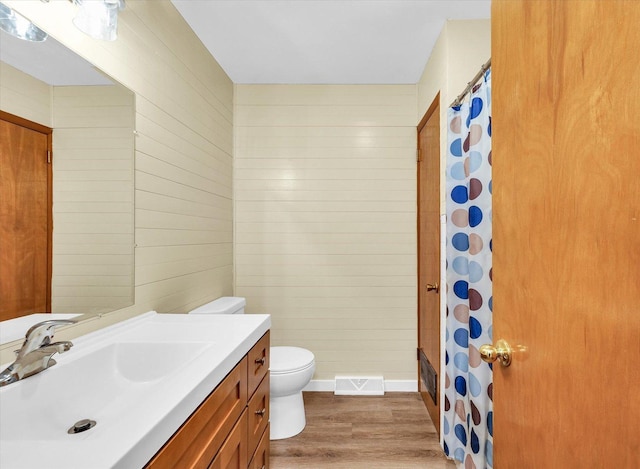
(98, 18)
(20, 27)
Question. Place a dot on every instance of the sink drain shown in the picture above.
(82, 426)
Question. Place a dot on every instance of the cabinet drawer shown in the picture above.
(261, 457)
(258, 411)
(233, 454)
(196, 443)
(258, 363)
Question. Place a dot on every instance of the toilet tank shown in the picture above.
(223, 305)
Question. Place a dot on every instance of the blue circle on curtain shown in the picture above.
(490, 423)
(460, 265)
(445, 427)
(475, 271)
(475, 388)
(490, 332)
(446, 354)
(475, 216)
(488, 453)
(459, 454)
(476, 107)
(460, 194)
(491, 245)
(461, 337)
(460, 241)
(491, 304)
(475, 328)
(461, 385)
(475, 442)
(461, 434)
(489, 127)
(461, 361)
(475, 161)
(491, 187)
(457, 171)
(461, 289)
(456, 147)
(446, 448)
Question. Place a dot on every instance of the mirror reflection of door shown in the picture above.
(25, 217)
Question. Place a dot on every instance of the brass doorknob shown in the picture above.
(501, 352)
(433, 287)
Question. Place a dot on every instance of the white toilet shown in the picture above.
(291, 369)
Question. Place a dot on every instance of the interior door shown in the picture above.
(25, 218)
(429, 259)
(566, 263)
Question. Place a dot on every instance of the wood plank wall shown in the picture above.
(325, 210)
(24, 96)
(93, 149)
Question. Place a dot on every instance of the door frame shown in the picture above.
(22, 122)
(435, 411)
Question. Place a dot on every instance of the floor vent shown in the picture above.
(359, 386)
(429, 377)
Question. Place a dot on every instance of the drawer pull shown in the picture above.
(261, 412)
(261, 361)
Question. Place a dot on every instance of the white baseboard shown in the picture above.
(390, 385)
(321, 385)
(401, 385)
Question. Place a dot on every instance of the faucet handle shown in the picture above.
(40, 334)
(47, 326)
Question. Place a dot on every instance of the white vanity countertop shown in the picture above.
(139, 379)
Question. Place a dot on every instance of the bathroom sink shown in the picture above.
(139, 380)
(144, 362)
(95, 385)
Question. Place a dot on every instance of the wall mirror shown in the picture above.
(92, 117)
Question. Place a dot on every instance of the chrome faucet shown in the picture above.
(36, 352)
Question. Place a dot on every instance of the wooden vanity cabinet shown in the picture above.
(261, 456)
(233, 454)
(229, 430)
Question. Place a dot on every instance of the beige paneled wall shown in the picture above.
(183, 162)
(93, 148)
(325, 216)
(24, 96)
(469, 48)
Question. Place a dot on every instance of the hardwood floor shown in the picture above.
(370, 432)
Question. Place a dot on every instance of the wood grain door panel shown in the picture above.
(429, 247)
(566, 262)
(25, 219)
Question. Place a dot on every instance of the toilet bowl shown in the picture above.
(290, 370)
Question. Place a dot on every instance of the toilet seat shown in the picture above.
(290, 360)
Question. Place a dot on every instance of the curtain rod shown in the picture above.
(475, 79)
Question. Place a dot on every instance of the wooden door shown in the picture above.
(25, 218)
(566, 263)
(429, 259)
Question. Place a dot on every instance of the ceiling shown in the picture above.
(324, 41)
(50, 62)
(286, 41)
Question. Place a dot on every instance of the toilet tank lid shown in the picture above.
(223, 305)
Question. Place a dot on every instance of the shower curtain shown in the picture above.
(468, 406)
